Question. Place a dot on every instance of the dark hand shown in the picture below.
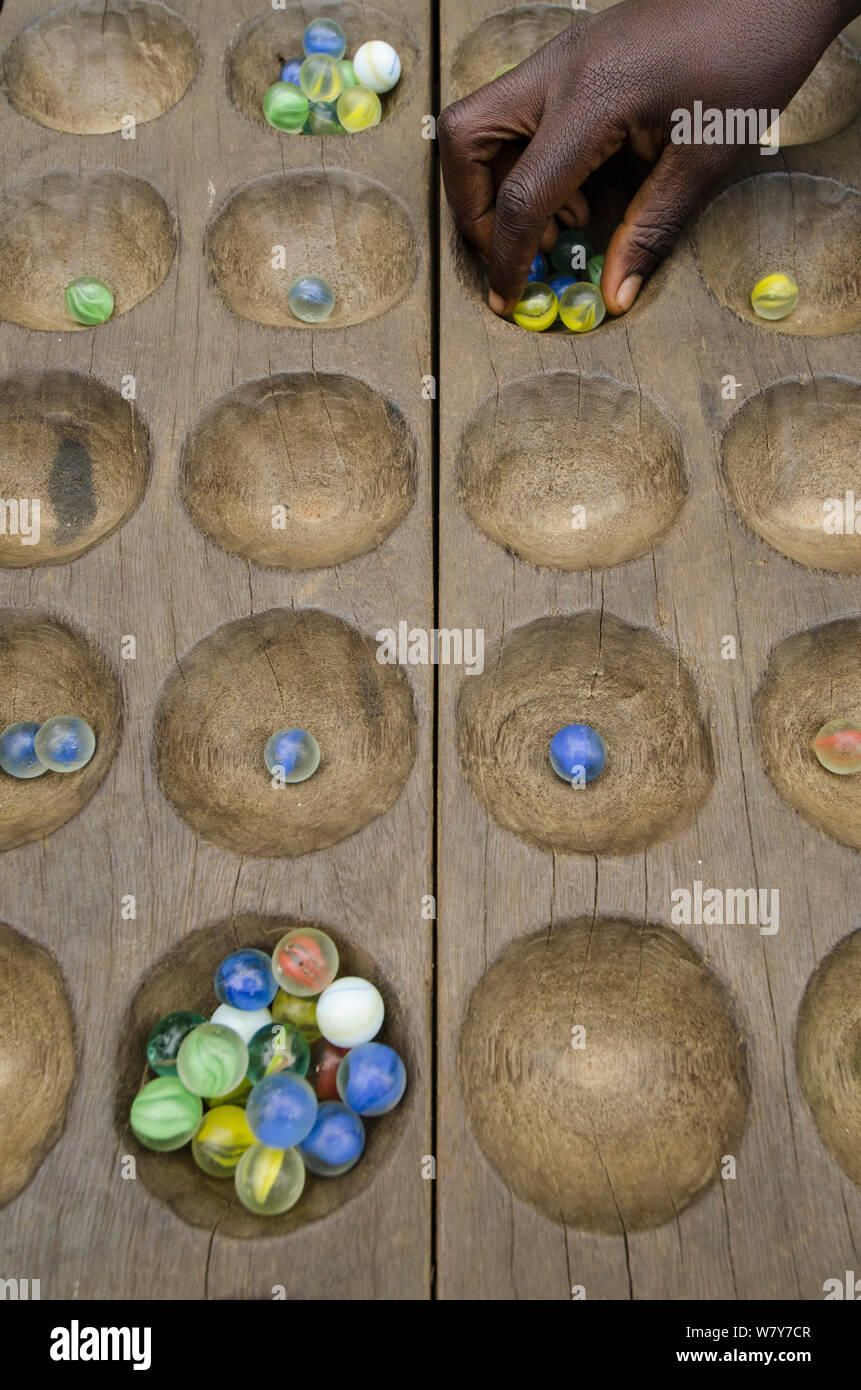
(515, 153)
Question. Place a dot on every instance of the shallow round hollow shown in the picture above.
(791, 462)
(812, 677)
(283, 669)
(828, 1052)
(324, 456)
(183, 980)
(507, 37)
(263, 45)
(622, 1133)
(86, 68)
(572, 472)
(329, 222)
(47, 668)
(74, 446)
(795, 224)
(37, 1058)
(626, 682)
(828, 100)
(63, 225)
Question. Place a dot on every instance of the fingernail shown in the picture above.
(628, 291)
(496, 302)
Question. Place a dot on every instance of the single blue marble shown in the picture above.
(578, 753)
(245, 980)
(290, 71)
(336, 1141)
(295, 751)
(281, 1110)
(65, 743)
(558, 283)
(324, 36)
(538, 269)
(371, 1079)
(17, 755)
(311, 298)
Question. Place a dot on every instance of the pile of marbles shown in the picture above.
(63, 743)
(326, 93)
(571, 293)
(286, 1066)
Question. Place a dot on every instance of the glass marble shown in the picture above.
(89, 301)
(838, 746)
(571, 253)
(290, 71)
(377, 65)
(244, 980)
(302, 1013)
(774, 296)
(277, 1047)
(559, 283)
(212, 1060)
(65, 743)
(286, 107)
(348, 72)
(17, 751)
(245, 1022)
(539, 269)
(320, 78)
(537, 308)
(165, 1039)
(336, 1142)
(311, 299)
(359, 109)
(595, 269)
(295, 752)
(578, 754)
(323, 1069)
(371, 1079)
(165, 1114)
(581, 307)
(323, 119)
(324, 36)
(281, 1110)
(305, 961)
(269, 1181)
(350, 1011)
(221, 1141)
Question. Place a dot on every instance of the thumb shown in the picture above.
(682, 180)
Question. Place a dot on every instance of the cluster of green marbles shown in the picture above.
(287, 1067)
(63, 743)
(326, 93)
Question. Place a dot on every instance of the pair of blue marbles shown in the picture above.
(63, 743)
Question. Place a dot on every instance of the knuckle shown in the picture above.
(516, 202)
(453, 123)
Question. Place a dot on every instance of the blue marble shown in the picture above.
(324, 36)
(65, 743)
(371, 1079)
(538, 269)
(245, 980)
(578, 753)
(295, 751)
(17, 754)
(281, 1110)
(558, 283)
(311, 298)
(290, 71)
(335, 1143)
